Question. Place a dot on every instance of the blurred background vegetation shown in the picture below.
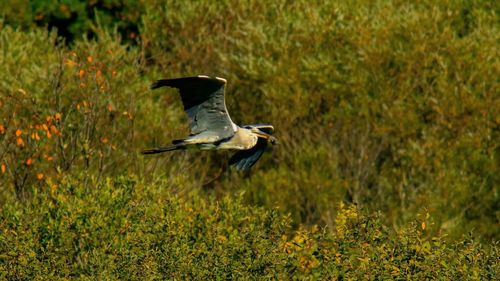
(389, 106)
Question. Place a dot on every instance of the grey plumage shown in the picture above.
(211, 126)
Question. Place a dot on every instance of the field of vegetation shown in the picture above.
(387, 113)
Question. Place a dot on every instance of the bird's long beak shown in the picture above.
(266, 136)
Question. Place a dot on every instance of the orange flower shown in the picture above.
(3, 168)
(49, 135)
(57, 116)
(44, 127)
(81, 73)
(29, 161)
(49, 119)
(39, 176)
(35, 136)
(104, 140)
(2, 129)
(19, 142)
(110, 108)
(90, 59)
(54, 130)
(18, 133)
(424, 226)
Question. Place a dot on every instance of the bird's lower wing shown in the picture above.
(245, 159)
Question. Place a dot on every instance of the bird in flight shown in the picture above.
(210, 124)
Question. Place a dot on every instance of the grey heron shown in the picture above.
(210, 124)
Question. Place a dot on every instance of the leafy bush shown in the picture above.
(391, 106)
(126, 229)
(386, 104)
(65, 109)
(75, 19)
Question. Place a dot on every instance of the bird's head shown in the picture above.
(264, 135)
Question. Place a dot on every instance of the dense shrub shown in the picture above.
(125, 229)
(391, 105)
(388, 105)
(65, 109)
(75, 19)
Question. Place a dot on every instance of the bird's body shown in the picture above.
(211, 126)
(242, 139)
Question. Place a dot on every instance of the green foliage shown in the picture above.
(126, 229)
(388, 104)
(66, 109)
(392, 106)
(75, 19)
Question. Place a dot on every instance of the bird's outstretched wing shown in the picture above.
(245, 159)
(203, 100)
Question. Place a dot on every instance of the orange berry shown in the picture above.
(104, 140)
(39, 176)
(3, 168)
(19, 142)
(81, 73)
(29, 161)
(18, 133)
(90, 59)
(2, 129)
